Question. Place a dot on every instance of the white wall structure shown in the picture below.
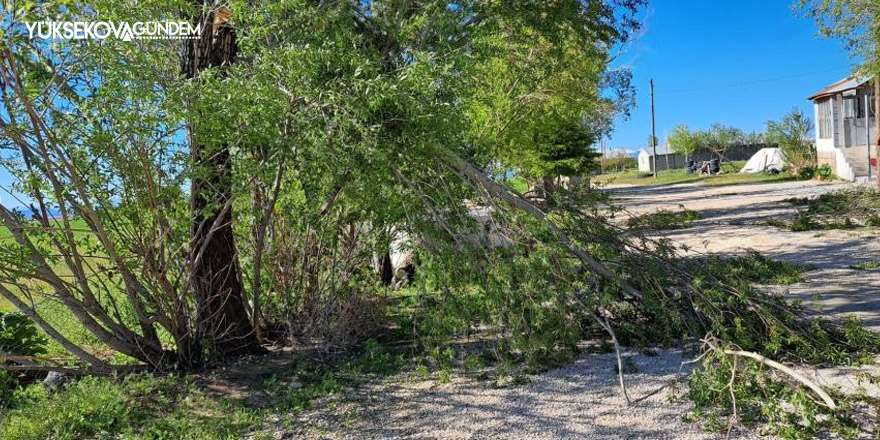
(645, 161)
(844, 127)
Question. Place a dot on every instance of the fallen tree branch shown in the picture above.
(776, 365)
(607, 326)
(48, 368)
(495, 189)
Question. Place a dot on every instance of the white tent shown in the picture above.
(766, 159)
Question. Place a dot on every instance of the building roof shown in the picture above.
(849, 83)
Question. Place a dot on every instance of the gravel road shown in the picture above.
(734, 220)
(579, 401)
(583, 400)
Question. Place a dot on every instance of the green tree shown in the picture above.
(718, 138)
(528, 81)
(565, 150)
(682, 141)
(344, 113)
(793, 134)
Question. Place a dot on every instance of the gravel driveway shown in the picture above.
(734, 219)
(579, 401)
(582, 400)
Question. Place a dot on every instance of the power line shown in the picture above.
(753, 82)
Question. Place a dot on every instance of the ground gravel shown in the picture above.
(583, 400)
(579, 401)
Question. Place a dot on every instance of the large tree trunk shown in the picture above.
(223, 323)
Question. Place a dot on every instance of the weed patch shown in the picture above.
(758, 269)
(844, 209)
(149, 407)
(866, 266)
(664, 220)
(134, 407)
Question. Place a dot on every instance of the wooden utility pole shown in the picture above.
(876, 128)
(603, 156)
(876, 100)
(653, 131)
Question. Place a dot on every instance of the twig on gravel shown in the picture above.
(773, 364)
(604, 323)
(733, 416)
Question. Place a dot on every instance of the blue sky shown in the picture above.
(740, 63)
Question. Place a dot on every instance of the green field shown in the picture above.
(672, 177)
(51, 310)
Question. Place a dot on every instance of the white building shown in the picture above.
(844, 115)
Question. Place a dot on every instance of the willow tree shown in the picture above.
(215, 274)
(857, 24)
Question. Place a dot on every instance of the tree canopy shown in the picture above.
(339, 113)
(682, 141)
(794, 135)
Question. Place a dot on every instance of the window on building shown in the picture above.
(854, 107)
(825, 122)
(850, 107)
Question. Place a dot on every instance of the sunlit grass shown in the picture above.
(672, 177)
(50, 309)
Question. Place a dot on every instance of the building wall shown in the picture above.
(847, 134)
(824, 157)
(644, 161)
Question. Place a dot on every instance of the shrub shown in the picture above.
(790, 134)
(824, 172)
(19, 337)
(664, 220)
(806, 173)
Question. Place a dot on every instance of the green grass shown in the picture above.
(664, 220)
(136, 407)
(672, 177)
(519, 184)
(866, 266)
(148, 407)
(758, 269)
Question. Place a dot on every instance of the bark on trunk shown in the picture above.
(222, 319)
